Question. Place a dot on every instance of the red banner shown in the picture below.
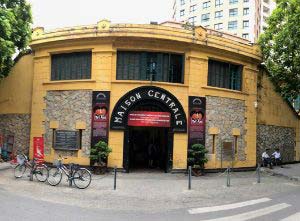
(149, 119)
(38, 148)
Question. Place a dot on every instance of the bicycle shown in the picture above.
(81, 177)
(37, 168)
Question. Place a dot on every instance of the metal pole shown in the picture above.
(228, 176)
(258, 173)
(115, 178)
(31, 175)
(190, 177)
(70, 175)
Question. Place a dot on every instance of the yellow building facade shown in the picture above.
(194, 61)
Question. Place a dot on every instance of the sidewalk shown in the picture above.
(289, 171)
(150, 191)
(5, 165)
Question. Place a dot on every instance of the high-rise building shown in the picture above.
(243, 18)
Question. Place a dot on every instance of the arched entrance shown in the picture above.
(149, 117)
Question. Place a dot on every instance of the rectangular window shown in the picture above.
(233, 1)
(192, 20)
(232, 25)
(233, 12)
(246, 36)
(218, 26)
(218, 14)
(205, 17)
(245, 1)
(193, 8)
(150, 66)
(246, 11)
(206, 4)
(246, 24)
(182, 12)
(224, 75)
(71, 66)
(218, 3)
(182, 2)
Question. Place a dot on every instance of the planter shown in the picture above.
(99, 169)
(197, 172)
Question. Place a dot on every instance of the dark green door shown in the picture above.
(169, 154)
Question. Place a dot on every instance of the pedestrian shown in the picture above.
(266, 158)
(277, 157)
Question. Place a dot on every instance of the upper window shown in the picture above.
(150, 66)
(246, 11)
(205, 17)
(206, 4)
(246, 24)
(224, 75)
(193, 8)
(182, 12)
(233, 12)
(232, 25)
(219, 2)
(218, 14)
(192, 20)
(71, 66)
(218, 26)
(182, 2)
(233, 1)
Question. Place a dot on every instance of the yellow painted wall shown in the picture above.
(16, 89)
(274, 110)
(104, 45)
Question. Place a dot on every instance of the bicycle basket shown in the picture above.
(20, 159)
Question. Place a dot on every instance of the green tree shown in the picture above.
(280, 45)
(15, 31)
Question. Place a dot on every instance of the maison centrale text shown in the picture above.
(149, 94)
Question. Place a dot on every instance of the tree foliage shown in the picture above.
(280, 45)
(15, 31)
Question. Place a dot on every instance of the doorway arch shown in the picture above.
(145, 99)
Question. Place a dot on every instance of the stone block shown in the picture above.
(54, 124)
(80, 125)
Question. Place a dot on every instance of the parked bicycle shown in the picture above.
(37, 168)
(81, 177)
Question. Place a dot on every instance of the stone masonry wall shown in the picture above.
(225, 114)
(68, 107)
(276, 137)
(17, 125)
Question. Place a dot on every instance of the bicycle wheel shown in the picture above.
(20, 170)
(82, 178)
(41, 173)
(54, 176)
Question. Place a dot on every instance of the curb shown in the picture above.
(273, 173)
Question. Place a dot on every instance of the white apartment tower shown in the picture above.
(243, 18)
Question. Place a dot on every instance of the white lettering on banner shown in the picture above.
(156, 94)
(150, 93)
(172, 105)
(127, 102)
(123, 108)
(163, 96)
(132, 98)
(176, 116)
(138, 96)
(168, 99)
(118, 120)
(175, 110)
(121, 114)
(178, 122)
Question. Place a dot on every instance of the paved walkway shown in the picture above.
(151, 191)
(290, 171)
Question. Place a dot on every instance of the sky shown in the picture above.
(52, 14)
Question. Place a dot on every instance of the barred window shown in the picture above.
(71, 66)
(164, 67)
(225, 75)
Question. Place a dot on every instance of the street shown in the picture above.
(145, 196)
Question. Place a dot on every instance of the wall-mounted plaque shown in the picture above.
(66, 140)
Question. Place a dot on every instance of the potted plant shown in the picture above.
(197, 158)
(99, 154)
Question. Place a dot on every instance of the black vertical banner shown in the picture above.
(100, 116)
(196, 122)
